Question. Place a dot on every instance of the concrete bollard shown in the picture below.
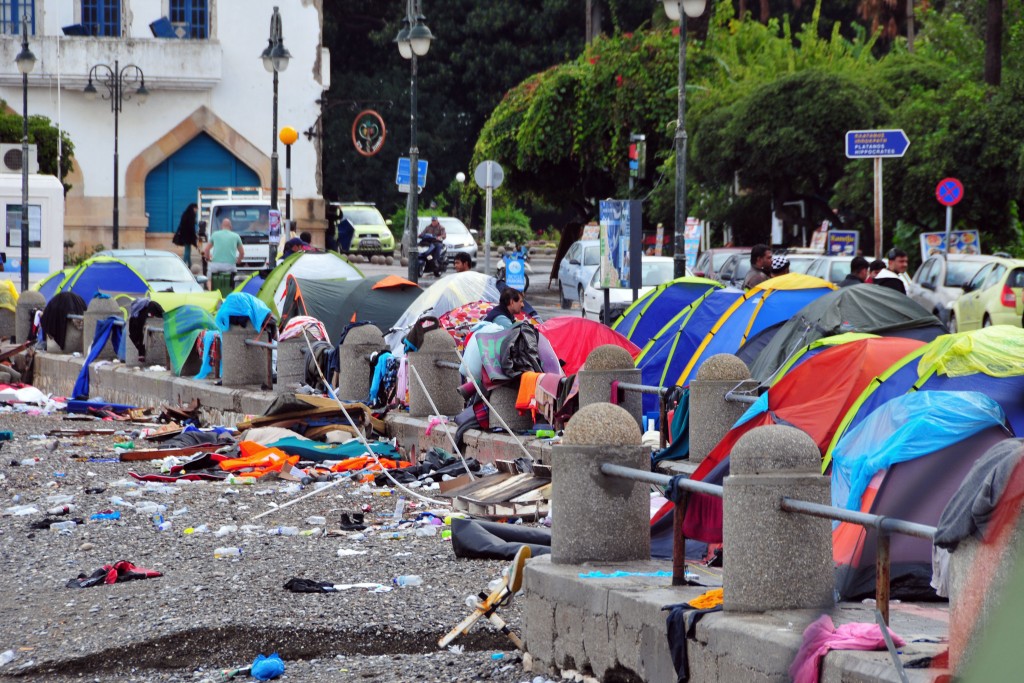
(242, 364)
(72, 339)
(711, 416)
(155, 344)
(596, 518)
(980, 574)
(100, 309)
(353, 367)
(607, 364)
(440, 383)
(503, 402)
(28, 303)
(291, 362)
(776, 560)
(7, 323)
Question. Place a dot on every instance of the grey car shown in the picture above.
(576, 270)
(940, 281)
(832, 269)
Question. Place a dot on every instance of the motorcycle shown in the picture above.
(520, 254)
(427, 260)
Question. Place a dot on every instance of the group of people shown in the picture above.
(765, 265)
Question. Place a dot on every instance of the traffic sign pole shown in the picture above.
(949, 192)
(879, 203)
(949, 226)
(488, 205)
(877, 145)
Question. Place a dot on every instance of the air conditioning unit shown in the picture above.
(10, 158)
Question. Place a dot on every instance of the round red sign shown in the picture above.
(949, 191)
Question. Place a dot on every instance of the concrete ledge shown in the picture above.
(615, 630)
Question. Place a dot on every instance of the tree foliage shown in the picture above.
(43, 134)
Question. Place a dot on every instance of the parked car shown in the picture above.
(734, 270)
(172, 283)
(710, 261)
(576, 270)
(832, 269)
(458, 238)
(994, 296)
(940, 281)
(656, 270)
(372, 234)
(799, 263)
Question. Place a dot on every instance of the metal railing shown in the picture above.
(270, 347)
(662, 394)
(740, 398)
(884, 526)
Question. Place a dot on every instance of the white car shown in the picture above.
(576, 270)
(458, 236)
(656, 270)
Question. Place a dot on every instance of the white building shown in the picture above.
(206, 122)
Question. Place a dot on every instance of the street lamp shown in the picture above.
(26, 61)
(275, 59)
(413, 41)
(460, 178)
(678, 10)
(119, 82)
(288, 136)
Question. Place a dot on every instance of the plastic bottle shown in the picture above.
(21, 510)
(314, 532)
(394, 535)
(60, 510)
(422, 531)
(382, 492)
(225, 529)
(179, 511)
(316, 520)
(283, 531)
(61, 526)
(227, 552)
(399, 508)
(30, 462)
(407, 580)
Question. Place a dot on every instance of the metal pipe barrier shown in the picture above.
(884, 526)
(450, 364)
(76, 316)
(661, 393)
(741, 398)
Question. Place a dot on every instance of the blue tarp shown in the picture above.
(105, 329)
(905, 428)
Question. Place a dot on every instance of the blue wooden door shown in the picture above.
(172, 185)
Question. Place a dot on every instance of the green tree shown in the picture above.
(43, 134)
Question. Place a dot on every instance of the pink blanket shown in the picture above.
(822, 636)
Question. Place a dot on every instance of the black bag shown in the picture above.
(177, 239)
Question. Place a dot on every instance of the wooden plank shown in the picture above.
(161, 453)
(15, 351)
(81, 432)
(480, 483)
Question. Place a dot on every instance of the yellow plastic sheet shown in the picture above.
(997, 351)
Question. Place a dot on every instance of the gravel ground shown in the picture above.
(204, 613)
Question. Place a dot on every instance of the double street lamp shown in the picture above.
(121, 83)
(413, 41)
(275, 59)
(26, 61)
(678, 10)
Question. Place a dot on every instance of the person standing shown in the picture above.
(463, 262)
(346, 231)
(185, 235)
(858, 272)
(224, 251)
(760, 266)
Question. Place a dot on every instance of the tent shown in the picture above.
(251, 284)
(460, 322)
(667, 353)
(647, 315)
(49, 285)
(906, 460)
(769, 303)
(449, 292)
(989, 360)
(308, 265)
(861, 308)
(574, 338)
(814, 348)
(182, 328)
(379, 299)
(800, 399)
(97, 274)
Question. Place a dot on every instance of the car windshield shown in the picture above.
(452, 226)
(719, 259)
(799, 264)
(363, 216)
(840, 269)
(592, 256)
(960, 272)
(243, 218)
(657, 273)
(159, 268)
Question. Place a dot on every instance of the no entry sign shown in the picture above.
(949, 191)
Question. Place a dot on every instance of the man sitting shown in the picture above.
(438, 233)
(510, 304)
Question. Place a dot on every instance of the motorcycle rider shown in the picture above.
(436, 231)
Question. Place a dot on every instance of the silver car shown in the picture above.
(458, 236)
(576, 270)
(940, 281)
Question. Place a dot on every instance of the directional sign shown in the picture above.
(876, 144)
(949, 191)
(405, 171)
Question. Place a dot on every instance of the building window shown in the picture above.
(191, 18)
(102, 17)
(11, 12)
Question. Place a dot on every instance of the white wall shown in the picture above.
(223, 73)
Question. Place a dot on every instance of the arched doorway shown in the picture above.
(172, 185)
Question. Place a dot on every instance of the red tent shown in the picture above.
(814, 397)
(574, 338)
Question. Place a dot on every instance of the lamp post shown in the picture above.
(288, 136)
(119, 82)
(275, 59)
(25, 61)
(460, 178)
(678, 10)
(413, 41)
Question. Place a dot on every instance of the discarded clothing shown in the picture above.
(113, 573)
(679, 448)
(479, 540)
(106, 329)
(365, 462)
(140, 311)
(433, 466)
(526, 400)
(822, 636)
(258, 460)
(240, 305)
(266, 668)
(54, 321)
(316, 451)
(304, 323)
(171, 478)
(709, 599)
(993, 477)
(297, 585)
(682, 623)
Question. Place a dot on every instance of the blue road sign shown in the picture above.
(872, 144)
(405, 170)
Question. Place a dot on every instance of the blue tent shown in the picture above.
(647, 315)
(98, 274)
(989, 361)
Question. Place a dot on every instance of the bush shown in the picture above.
(517, 234)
